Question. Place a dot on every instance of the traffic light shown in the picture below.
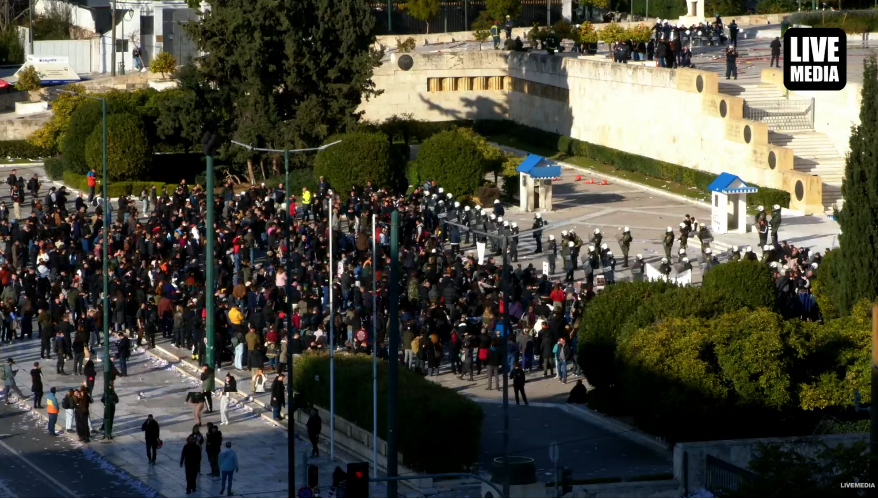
(313, 476)
(566, 480)
(358, 480)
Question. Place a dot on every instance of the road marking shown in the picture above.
(67, 491)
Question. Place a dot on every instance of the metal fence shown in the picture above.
(724, 478)
(457, 16)
(781, 114)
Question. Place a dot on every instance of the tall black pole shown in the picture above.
(393, 355)
(209, 288)
(505, 362)
(113, 44)
(108, 425)
(291, 435)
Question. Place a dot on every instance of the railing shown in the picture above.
(781, 114)
(724, 478)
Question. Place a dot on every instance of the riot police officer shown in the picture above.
(553, 253)
(538, 235)
(665, 267)
(684, 235)
(638, 267)
(775, 223)
(513, 243)
(625, 244)
(735, 256)
(668, 242)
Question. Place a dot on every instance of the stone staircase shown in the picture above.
(790, 127)
(815, 154)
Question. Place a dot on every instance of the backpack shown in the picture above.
(65, 403)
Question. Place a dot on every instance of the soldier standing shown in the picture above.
(625, 244)
(668, 242)
(775, 223)
(538, 235)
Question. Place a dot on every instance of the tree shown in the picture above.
(128, 151)
(179, 120)
(859, 233)
(611, 33)
(481, 36)
(163, 63)
(423, 10)
(499, 9)
(51, 135)
(726, 7)
(453, 161)
(28, 79)
(361, 157)
(292, 72)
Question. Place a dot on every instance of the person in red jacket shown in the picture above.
(557, 296)
(92, 182)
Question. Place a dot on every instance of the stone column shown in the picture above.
(567, 10)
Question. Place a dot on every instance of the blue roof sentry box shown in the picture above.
(727, 183)
(539, 168)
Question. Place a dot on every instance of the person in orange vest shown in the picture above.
(52, 410)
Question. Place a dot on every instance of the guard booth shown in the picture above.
(535, 175)
(728, 202)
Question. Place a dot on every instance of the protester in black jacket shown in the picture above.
(151, 433)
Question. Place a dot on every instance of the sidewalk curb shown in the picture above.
(597, 419)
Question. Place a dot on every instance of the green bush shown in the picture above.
(602, 321)
(453, 161)
(421, 405)
(22, 150)
(360, 157)
(54, 168)
(725, 7)
(746, 283)
(128, 151)
(827, 288)
(79, 182)
(865, 19)
(775, 6)
(82, 123)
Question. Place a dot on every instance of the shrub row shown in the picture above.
(852, 21)
(20, 149)
(79, 182)
(423, 408)
(635, 163)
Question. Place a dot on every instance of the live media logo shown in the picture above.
(815, 59)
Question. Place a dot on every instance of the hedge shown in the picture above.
(79, 182)
(54, 168)
(854, 21)
(20, 149)
(746, 283)
(439, 429)
(129, 154)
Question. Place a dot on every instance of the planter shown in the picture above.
(31, 108)
(164, 84)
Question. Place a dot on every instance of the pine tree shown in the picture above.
(292, 72)
(859, 216)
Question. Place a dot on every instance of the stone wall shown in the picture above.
(676, 116)
(740, 452)
(19, 128)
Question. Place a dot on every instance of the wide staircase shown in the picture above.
(791, 125)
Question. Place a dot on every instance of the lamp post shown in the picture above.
(291, 444)
(209, 145)
(105, 241)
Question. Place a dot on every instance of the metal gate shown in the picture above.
(724, 478)
(781, 114)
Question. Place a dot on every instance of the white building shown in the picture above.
(152, 25)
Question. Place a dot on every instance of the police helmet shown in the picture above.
(456, 204)
(514, 224)
(441, 190)
(597, 230)
(682, 251)
(686, 260)
(538, 216)
(749, 248)
(670, 229)
(500, 219)
(682, 225)
(465, 209)
(449, 195)
(570, 244)
(552, 237)
(563, 233)
(493, 217)
(708, 250)
(505, 223)
(766, 247)
(760, 208)
(773, 265)
(640, 256)
(496, 202)
(478, 207)
(664, 260)
(735, 248)
(776, 207)
(626, 230)
(814, 265)
(433, 196)
(590, 247)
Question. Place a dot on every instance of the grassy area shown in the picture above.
(19, 161)
(581, 161)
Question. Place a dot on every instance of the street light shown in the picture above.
(106, 271)
(291, 444)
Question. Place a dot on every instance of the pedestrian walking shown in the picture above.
(228, 465)
(775, 52)
(52, 411)
(314, 426)
(36, 377)
(196, 399)
(152, 436)
(212, 446)
(123, 352)
(190, 458)
(7, 374)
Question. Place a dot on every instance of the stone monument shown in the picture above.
(694, 14)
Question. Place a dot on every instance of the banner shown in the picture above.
(480, 249)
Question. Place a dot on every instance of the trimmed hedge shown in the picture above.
(129, 154)
(54, 168)
(426, 410)
(20, 149)
(746, 283)
(360, 157)
(79, 182)
(855, 20)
